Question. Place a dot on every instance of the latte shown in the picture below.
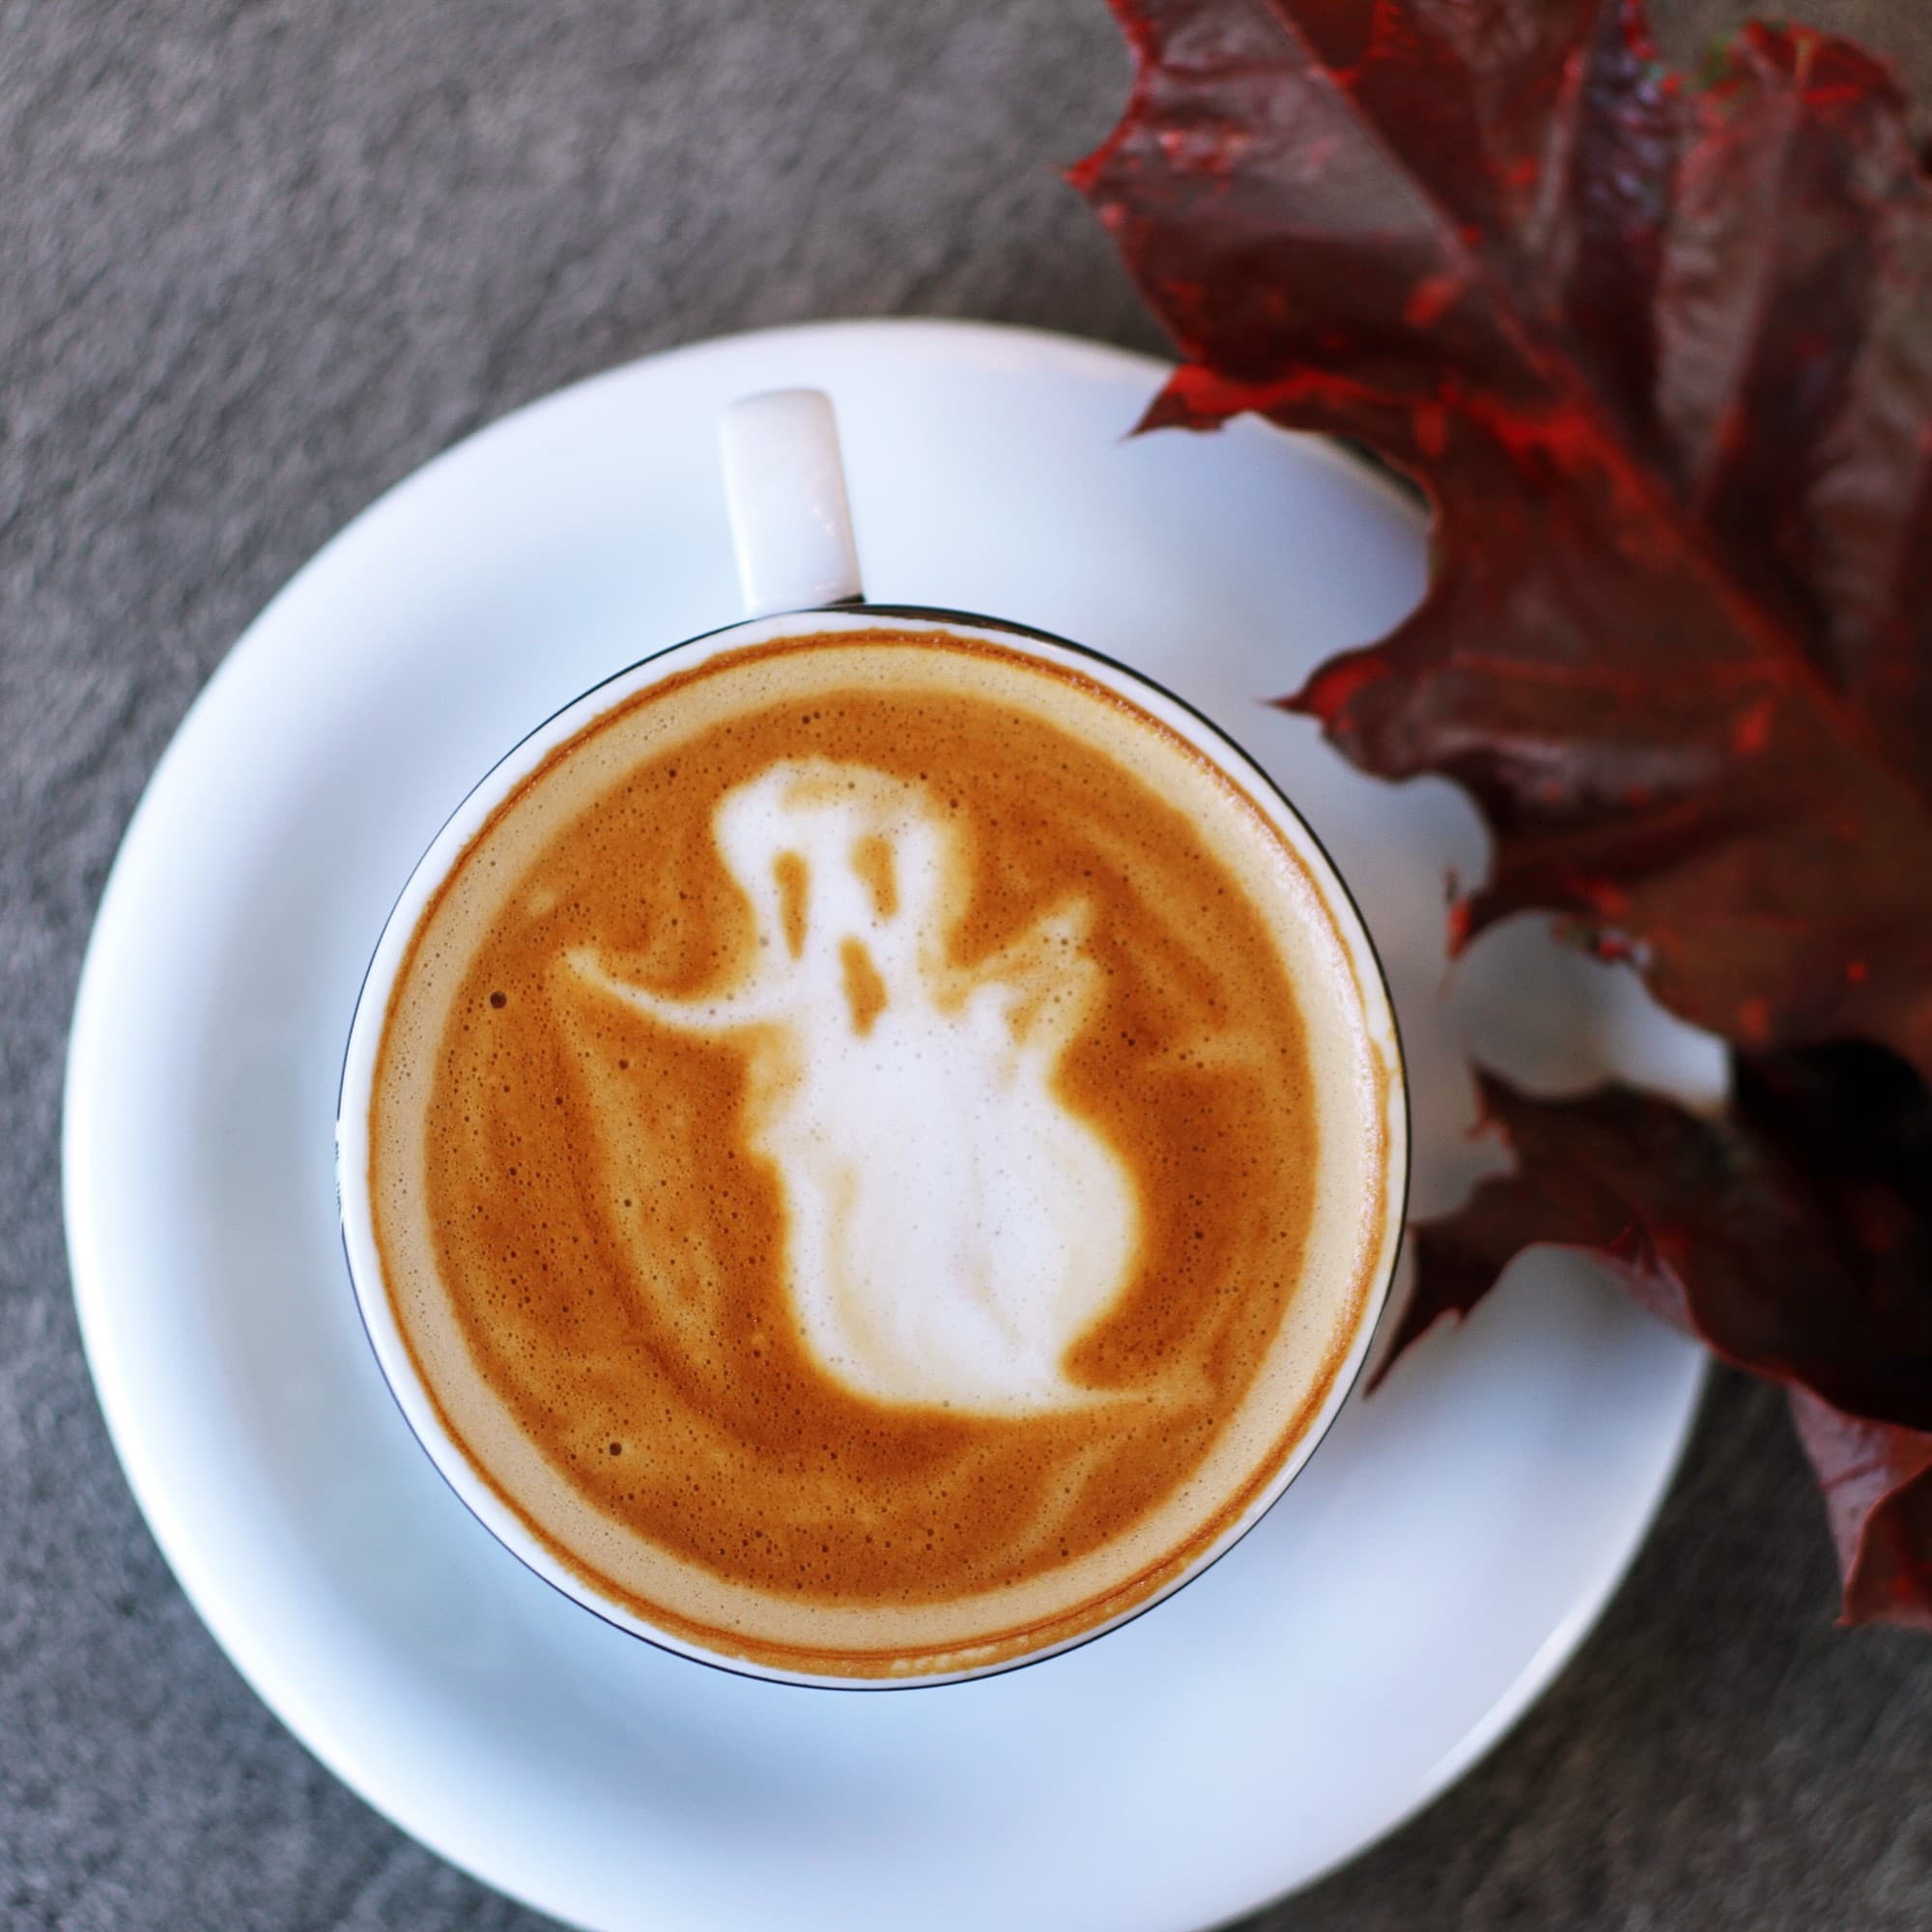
(877, 1153)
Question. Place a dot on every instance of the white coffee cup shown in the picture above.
(798, 569)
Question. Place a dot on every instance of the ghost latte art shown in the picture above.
(877, 1153)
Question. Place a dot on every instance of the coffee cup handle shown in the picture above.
(784, 483)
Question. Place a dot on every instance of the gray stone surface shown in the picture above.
(259, 258)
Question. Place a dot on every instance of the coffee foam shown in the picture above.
(656, 1146)
(952, 1224)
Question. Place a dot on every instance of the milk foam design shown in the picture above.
(952, 1226)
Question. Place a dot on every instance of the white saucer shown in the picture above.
(1420, 1583)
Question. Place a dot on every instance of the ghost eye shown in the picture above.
(794, 884)
(872, 862)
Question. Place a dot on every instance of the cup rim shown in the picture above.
(398, 1371)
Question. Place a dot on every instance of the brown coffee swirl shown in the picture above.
(875, 1153)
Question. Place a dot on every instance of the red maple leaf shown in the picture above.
(1878, 1491)
(1660, 356)
(1787, 1234)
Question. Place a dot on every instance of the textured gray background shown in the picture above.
(259, 259)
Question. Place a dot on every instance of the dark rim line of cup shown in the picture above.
(1308, 1448)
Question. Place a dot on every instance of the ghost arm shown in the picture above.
(749, 1005)
(1043, 982)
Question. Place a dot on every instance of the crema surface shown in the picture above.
(876, 1152)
